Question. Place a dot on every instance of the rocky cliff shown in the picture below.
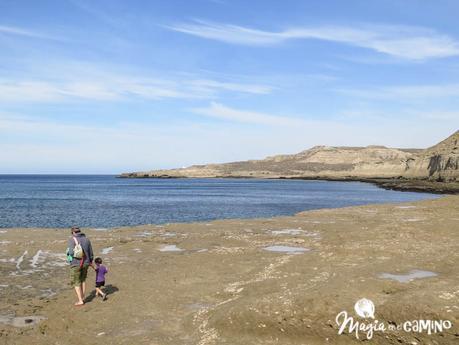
(439, 163)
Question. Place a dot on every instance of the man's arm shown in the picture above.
(90, 254)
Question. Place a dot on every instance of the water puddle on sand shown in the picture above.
(22, 321)
(406, 278)
(170, 248)
(168, 234)
(413, 220)
(144, 234)
(294, 232)
(106, 250)
(47, 293)
(286, 249)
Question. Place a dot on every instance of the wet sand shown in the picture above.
(279, 280)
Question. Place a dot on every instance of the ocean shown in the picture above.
(103, 201)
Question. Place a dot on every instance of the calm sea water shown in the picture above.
(107, 201)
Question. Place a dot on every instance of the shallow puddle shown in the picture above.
(144, 234)
(411, 275)
(294, 232)
(288, 232)
(169, 234)
(286, 249)
(171, 248)
(22, 321)
(106, 250)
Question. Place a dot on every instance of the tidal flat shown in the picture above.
(214, 282)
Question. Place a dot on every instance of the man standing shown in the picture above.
(80, 257)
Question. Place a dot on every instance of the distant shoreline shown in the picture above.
(433, 170)
(400, 184)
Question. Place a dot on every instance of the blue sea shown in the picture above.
(104, 201)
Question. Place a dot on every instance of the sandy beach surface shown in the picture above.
(280, 280)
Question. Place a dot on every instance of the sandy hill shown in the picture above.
(439, 162)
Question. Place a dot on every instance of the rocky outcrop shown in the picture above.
(439, 163)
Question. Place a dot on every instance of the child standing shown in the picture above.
(101, 271)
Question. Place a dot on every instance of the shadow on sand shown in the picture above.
(108, 289)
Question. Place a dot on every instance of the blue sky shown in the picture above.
(110, 86)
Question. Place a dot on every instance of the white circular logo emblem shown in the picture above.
(365, 308)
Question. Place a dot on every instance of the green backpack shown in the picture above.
(69, 257)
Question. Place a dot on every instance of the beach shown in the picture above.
(280, 280)
(246, 172)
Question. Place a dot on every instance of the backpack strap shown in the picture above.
(82, 259)
(84, 254)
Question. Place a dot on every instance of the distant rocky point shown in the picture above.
(436, 165)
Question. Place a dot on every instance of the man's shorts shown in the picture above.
(78, 274)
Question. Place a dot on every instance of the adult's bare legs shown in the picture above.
(83, 289)
(79, 295)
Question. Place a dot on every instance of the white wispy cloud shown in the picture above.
(219, 111)
(413, 115)
(400, 41)
(12, 30)
(206, 84)
(112, 87)
(406, 92)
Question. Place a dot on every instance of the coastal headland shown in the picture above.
(279, 280)
(435, 169)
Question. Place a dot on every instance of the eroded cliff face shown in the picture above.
(319, 161)
(439, 162)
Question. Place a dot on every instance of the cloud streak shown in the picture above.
(219, 111)
(12, 30)
(404, 42)
(112, 88)
(406, 92)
